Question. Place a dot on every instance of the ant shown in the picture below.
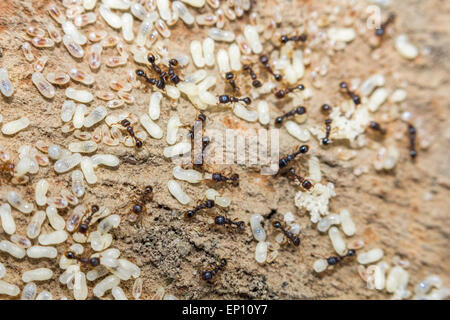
(326, 108)
(84, 225)
(208, 204)
(265, 61)
(306, 184)
(209, 274)
(326, 140)
(333, 260)
(138, 208)
(172, 76)
(284, 39)
(376, 126)
(127, 124)
(285, 161)
(94, 262)
(234, 178)
(255, 83)
(299, 110)
(356, 99)
(294, 239)
(279, 94)
(7, 170)
(221, 221)
(227, 99)
(381, 31)
(230, 77)
(412, 141)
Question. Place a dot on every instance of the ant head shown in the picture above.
(240, 225)
(307, 184)
(139, 143)
(151, 58)
(83, 228)
(277, 224)
(94, 208)
(190, 214)
(140, 72)
(202, 117)
(333, 260)
(325, 141)
(70, 255)
(229, 75)
(296, 241)
(207, 275)
(284, 39)
(303, 149)
(326, 108)
(256, 83)
(247, 100)
(278, 77)
(125, 122)
(300, 87)
(224, 98)
(173, 62)
(220, 220)
(263, 59)
(280, 94)
(210, 203)
(137, 209)
(300, 110)
(343, 85)
(223, 262)
(303, 37)
(351, 252)
(148, 189)
(279, 120)
(94, 261)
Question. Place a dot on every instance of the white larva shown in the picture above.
(108, 223)
(12, 249)
(78, 116)
(297, 64)
(9, 289)
(155, 105)
(56, 221)
(151, 127)
(82, 96)
(208, 98)
(6, 86)
(223, 61)
(258, 231)
(74, 48)
(67, 163)
(366, 88)
(39, 274)
(2, 270)
(206, 83)
(370, 256)
(29, 291)
(28, 54)
(80, 289)
(88, 170)
(108, 160)
(118, 293)
(117, 4)
(172, 129)
(137, 288)
(34, 227)
(106, 284)
(195, 77)
(398, 95)
(296, 131)
(242, 112)
(112, 19)
(337, 241)
(67, 110)
(95, 116)
(138, 11)
(94, 56)
(83, 146)
(55, 237)
(163, 8)
(8, 224)
(70, 29)
(377, 98)
(190, 175)
(341, 34)
(89, 4)
(16, 201)
(177, 149)
(197, 54)
(261, 252)
(314, 169)
(172, 92)
(320, 265)
(144, 30)
(195, 3)
(44, 295)
(75, 218)
(96, 273)
(13, 127)
(208, 51)
(347, 224)
(212, 194)
(252, 37)
(235, 57)
(178, 193)
(38, 252)
(183, 13)
(127, 27)
(406, 49)
(397, 279)
(221, 35)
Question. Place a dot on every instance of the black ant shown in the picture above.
(172, 76)
(84, 225)
(333, 260)
(234, 178)
(326, 108)
(255, 83)
(127, 124)
(412, 141)
(265, 61)
(280, 94)
(221, 221)
(229, 76)
(284, 39)
(306, 184)
(382, 29)
(376, 126)
(138, 209)
(208, 204)
(94, 262)
(326, 140)
(227, 99)
(356, 99)
(209, 274)
(294, 239)
(285, 161)
(299, 110)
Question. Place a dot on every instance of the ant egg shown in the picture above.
(38, 252)
(172, 92)
(154, 105)
(15, 126)
(8, 224)
(242, 112)
(88, 170)
(56, 221)
(112, 19)
(118, 294)
(172, 129)
(27, 53)
(74, 48)
(221, 35)
(177, 149)
(106, 284)
(83, 147)
(296, 131)
(39, 274)
(55, 237)
(191, 176)
(206, 83)
(108, 160)
(127, 27)
(96, 115)
(58, 78)
(320, 265)
(67, 163)
(178, 193)
(80, 289)
(197, 54)
(377, 98)
(162, 28)
(223, 62)
(347, 224)
(208, 51)
(39, 65)
(163, 8)
(82, 20)
(44, 295)
(12, 249)
(6, 86)
(82, 96)
(261, 252)
(41, 191)
(297, 64)
(72, 31)
(263, 112)
(370, 256)
(94, 56)
(16, 201)
(397, 279)
(367, 87)
(183, 12)
(152, 128)
(251, 35)
(9, 289)
(29, 291)
(405, 48)
(258, 231)
(337, 241)
(208, 98)
(34, 227)
(42, 42)
(206, 19)
(44, 87)
(235, 57)
(314, 169)
(81, 76)
(341, 34)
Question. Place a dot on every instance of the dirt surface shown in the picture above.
(392, 210)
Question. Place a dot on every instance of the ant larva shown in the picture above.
(382, 29)
(227, 99)
(294, 239)
(255, 82)
(265, 61)
(221, 221)
(280, 94)
(208, 204)
(209, 274)
(412, 141)
(229, 76)
(376, 127)
(333, 260)
(234, 178)
(326, 140)
(306, 184)
(356, 99)
(302, 38)
(94, 262)
(285, 161)
(299, 110)
(138, 209)
(127, 124)
(326, 108)
(84, 225)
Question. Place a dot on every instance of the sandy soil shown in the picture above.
(389, 209)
